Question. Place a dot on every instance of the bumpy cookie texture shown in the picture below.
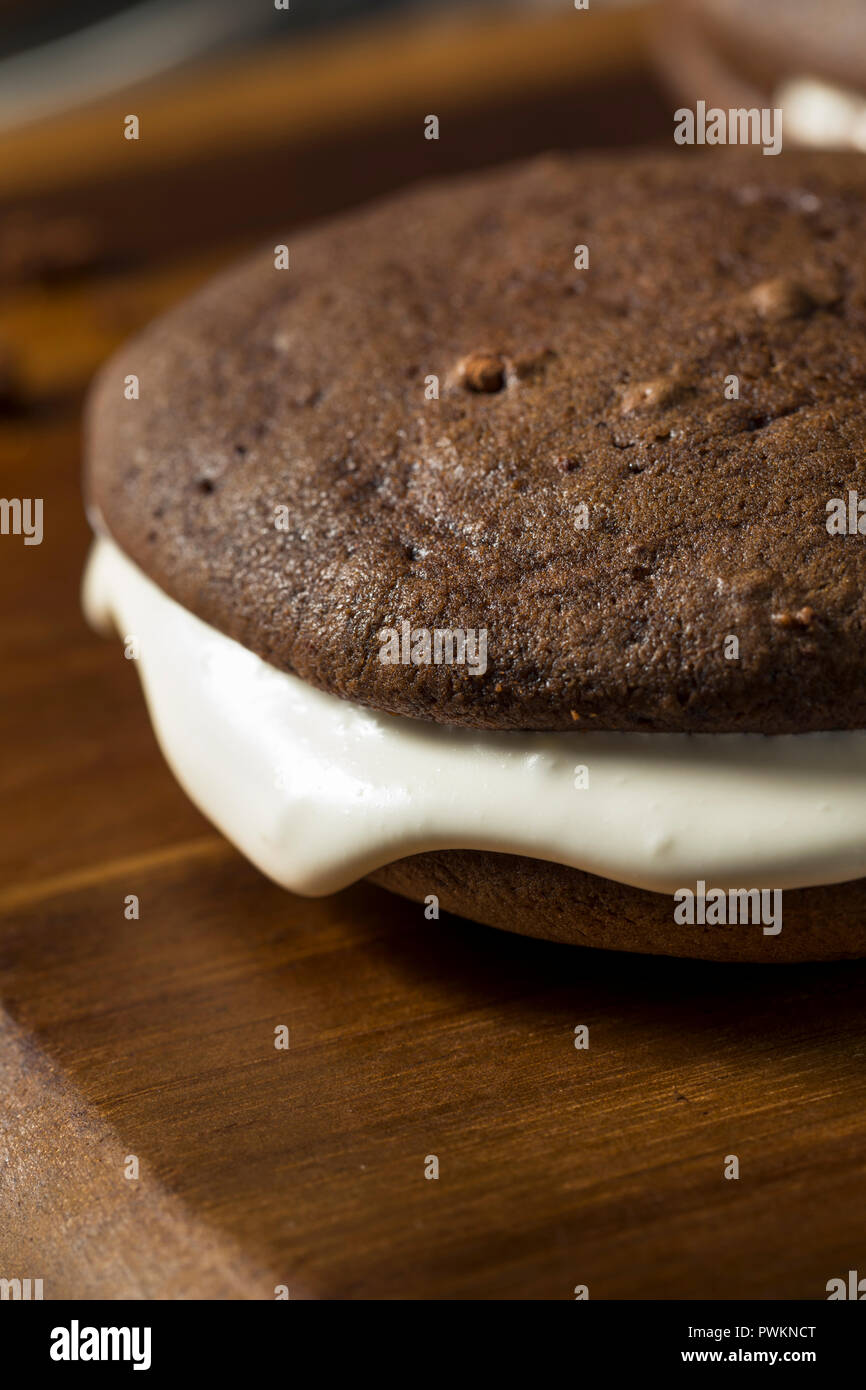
(305, 388)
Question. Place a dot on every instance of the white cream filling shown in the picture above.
(317, 791)
(821, 114)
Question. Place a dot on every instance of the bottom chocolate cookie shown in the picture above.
(548, 900)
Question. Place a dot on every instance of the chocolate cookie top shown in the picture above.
(624, 479)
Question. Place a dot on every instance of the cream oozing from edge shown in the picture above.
(317, 791)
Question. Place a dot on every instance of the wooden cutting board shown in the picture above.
(154, 1142)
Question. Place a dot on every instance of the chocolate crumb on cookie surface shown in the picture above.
(606, 389)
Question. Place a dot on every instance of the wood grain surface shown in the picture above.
(154, 1038)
